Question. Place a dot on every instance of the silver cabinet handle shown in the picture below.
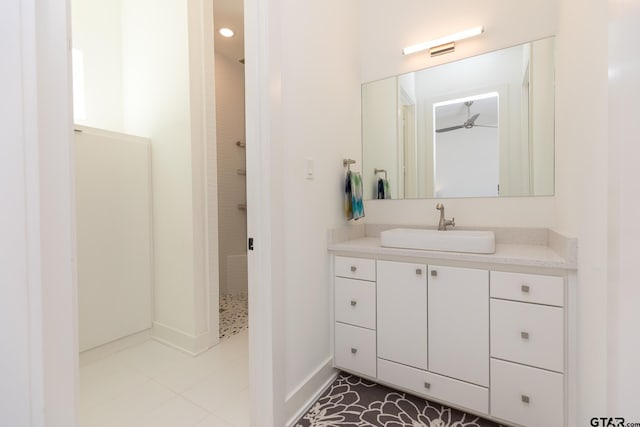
(353, 268)
(418, 271)
(525, 398)
(354, 350)
(524, 289)
(353, 303)
(427, 385)
(434, 273)
(524, 335)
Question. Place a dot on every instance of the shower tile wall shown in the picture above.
(231, 183)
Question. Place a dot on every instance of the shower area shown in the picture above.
(231, 152)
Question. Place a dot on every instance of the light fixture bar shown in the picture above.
(442, 49)
(471, 32)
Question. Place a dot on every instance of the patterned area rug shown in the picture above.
(354, 402)
(234, 314)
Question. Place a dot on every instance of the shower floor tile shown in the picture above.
(234, 314)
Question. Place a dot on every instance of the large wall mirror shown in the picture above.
(478, 127)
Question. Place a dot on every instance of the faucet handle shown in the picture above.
(453, 222)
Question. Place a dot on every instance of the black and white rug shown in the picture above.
(353, 402)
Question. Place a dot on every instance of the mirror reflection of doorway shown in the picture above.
(408, 151)
(466, 147)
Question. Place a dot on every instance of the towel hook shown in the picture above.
(347, 163)
(377, 171)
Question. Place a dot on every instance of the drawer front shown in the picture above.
(435, 386)
(528, 288)
(528, 333)
(355, 268)
(355, 302)
(355, 349)
(525, 395)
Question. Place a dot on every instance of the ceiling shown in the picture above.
(229, 14)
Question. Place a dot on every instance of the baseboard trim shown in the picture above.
(302, 397)
(180, 340)
(105, 350)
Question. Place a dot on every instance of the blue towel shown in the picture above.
(357, 206)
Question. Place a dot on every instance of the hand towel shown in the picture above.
(348, 197)
(380, 188)
(356, 192)
(387, 190)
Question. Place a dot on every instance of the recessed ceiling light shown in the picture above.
(226, 32)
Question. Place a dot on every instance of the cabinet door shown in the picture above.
(402, 313)
(459, 323)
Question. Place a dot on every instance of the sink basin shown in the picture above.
(477, 242)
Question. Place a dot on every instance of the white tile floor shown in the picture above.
(151, 384)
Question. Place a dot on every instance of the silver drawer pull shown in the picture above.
(434, 273)
(353, 268)
(524, 289)
(524, 335)
(427, 385)
(353, 303)
(354, 350)
(524, 398)
(418, 271)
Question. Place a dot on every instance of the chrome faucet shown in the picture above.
(444, 223)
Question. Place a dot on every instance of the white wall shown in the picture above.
(386, 28)
(303, 101)
(320, 119)
(231, 186)
(97, 32)
(164, 68)
(582, 182)
(156, 99)
(624, 210)
(158, 82)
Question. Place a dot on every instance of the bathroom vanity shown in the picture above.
(486, 333)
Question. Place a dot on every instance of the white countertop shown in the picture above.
(508, 254)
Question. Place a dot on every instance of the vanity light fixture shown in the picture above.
(226, 32)
(444, 44)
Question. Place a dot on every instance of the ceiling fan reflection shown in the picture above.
(469, 123)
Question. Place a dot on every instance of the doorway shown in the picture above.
(231, 166)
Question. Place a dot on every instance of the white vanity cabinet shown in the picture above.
(459, 323)
(354, 306)
(402, 313)
(486, 341)
(528, 348)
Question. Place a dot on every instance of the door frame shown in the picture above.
(46, 70)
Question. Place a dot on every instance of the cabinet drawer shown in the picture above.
(528, 288)
(525, 395)
(355, 302)
(355, 268)
(435, 386)
(528, 333)
(355, 349)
